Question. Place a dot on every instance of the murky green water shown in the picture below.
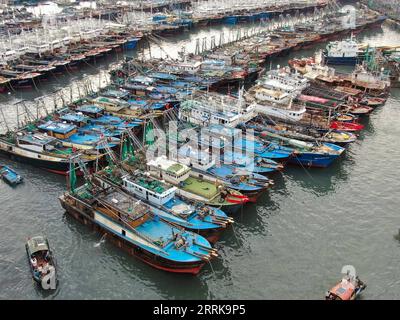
(291, 245)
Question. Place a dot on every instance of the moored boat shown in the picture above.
(196, 188)
(133, 227)
(194, 216)
(309, 154)
(10, 176)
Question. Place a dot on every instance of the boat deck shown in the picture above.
(202, 188)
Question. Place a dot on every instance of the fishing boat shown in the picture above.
(70, 137)
(41, 262)
(345, 52)
(41, 150)
(10, 176)
(132, 226)
(275, 103)
(196, 187)
(346, 126)
(203, 164)
(304, 133)
(241, 160)
(349, 288)
(308, 154)
(234, 140)
(358, 109)
(194, 216)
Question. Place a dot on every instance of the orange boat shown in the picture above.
(347, 289)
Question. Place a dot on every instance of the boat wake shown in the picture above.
(102, 240)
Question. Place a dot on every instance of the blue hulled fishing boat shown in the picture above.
(131, 43)
(309, 154)
(70, 137)
(135, 228)
(161, 196)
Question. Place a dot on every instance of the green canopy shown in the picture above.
(149, 134)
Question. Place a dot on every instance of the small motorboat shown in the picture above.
(345, 117)
(373, 101)
(360, 110)
(349, 288)
(10, 176)
(42, 263)
(346, 126)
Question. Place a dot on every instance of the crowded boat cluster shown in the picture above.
(172, 149)
(34, 49)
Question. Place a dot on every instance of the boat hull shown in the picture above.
(347, 61)
(313, 160)
(37, 160)
(53, 166)
(228, 209)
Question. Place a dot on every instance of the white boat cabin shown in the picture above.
(142, 185)
(274, 96)
(347, 48)
(199, 113)
(37, 142)
(183, 67)
(168, 170)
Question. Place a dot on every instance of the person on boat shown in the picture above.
(34, 262)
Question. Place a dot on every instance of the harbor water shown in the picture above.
(292, 244)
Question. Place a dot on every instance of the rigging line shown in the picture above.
(34, 83)
(307, 171)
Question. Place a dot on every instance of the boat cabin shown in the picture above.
(91, 110)
(275, 96)
(59, 130)
(122, 208)
(199, 113)
(142, 185)
(170, 171)
(193, 157)
(342, 49)
(37, 142)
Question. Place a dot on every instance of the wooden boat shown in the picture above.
(373, 101)
(161, 196)
(10, 176)
(345, 117)
(360, 110)
(304, 133)
(349, 288)
(346, 126)
(41, 262)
